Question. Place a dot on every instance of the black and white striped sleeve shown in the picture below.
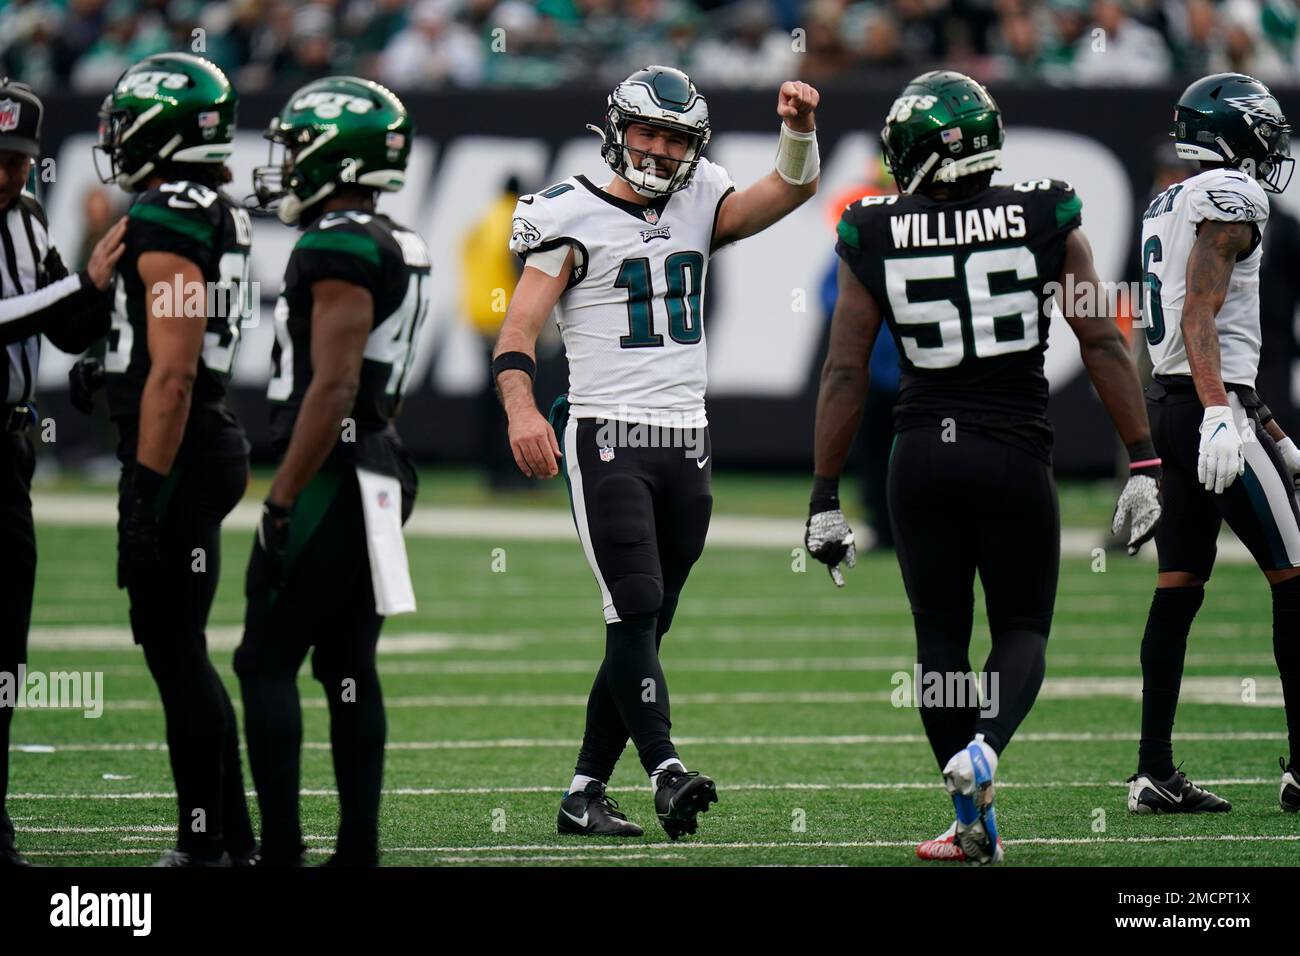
(68, 311)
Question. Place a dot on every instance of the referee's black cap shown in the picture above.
(21, 113)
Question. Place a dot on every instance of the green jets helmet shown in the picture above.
(657, 96)
(1233, 119)
(173, 107)
(943, 126)
(340, 130)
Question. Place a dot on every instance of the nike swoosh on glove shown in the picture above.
(829, 539)
(1139, 503)
(1290, 458)
(1220, 458)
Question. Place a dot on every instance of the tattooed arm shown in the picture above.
(1209, 270)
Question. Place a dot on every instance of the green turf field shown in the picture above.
(780, 687)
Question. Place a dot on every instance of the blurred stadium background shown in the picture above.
(782, 684)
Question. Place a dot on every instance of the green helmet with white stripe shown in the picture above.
(169, 107)
(657, 96)
(340, 130)
(943, 126)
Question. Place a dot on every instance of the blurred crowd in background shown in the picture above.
(430, 44)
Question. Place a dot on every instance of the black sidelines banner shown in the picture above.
(766, 310)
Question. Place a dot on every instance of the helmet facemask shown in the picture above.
(644, 178)
(278, 186)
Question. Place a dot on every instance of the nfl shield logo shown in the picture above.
(651, 216)
(607, 453)
(9, 111)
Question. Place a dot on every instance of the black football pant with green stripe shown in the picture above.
(960, 507)
(326, 607)
(169, 617)
(18, 552)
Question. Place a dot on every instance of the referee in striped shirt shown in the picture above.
(37, 297)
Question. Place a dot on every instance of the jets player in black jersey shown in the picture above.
(961, 272)
(180, 296)
(329, 563)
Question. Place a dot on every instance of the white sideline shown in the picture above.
(526, 524)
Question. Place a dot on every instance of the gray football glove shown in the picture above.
(829, 539)
(1138, 503)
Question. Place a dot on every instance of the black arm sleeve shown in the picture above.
(85, 321)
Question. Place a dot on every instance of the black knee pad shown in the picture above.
(637, 595)
(623, 504)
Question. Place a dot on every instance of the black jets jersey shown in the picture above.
(963, 286)
(392, 263)
(203, 225)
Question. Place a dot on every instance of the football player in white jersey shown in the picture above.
(1224, 457)
(626, 262)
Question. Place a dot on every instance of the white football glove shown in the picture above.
(1220, 458)
(1291, 458)
(829, 539)
(1139, 503)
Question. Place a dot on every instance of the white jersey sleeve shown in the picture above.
(1229, 196)
(546, 221)
(714, 185)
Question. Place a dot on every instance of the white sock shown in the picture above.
(989, 753)
(654, 777)
(580, 782)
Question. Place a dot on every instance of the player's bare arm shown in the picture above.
(341, 320)
(844, 380)
(1110, 367)
(175, 342)
(749, 211)
(1209, 270)
(532, 439)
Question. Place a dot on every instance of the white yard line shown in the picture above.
(557, 789)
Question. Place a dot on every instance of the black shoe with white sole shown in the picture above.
(681, 795)
(179, 858)
(1175, 795)
(1289, 797)
(594, 813)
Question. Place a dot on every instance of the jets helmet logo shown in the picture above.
(148, 83)
(9, 113)
(903, 106)
(329, 105)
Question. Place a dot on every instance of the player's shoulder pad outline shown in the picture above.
(347, 232)
(188, 208)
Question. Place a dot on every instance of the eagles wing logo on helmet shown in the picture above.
(1258, 105)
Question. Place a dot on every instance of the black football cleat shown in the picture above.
(179, 858)
(1175, 795)
(594, 813)
(9, 855)
(1289, 796)
(681, 795)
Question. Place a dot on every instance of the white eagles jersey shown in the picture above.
(632, 316)
(1168, 232)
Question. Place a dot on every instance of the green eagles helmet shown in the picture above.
(1233, 119)
(943, 126)
(658, 96)
(335, 131)
(169, 106)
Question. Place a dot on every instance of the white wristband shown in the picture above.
(797, 160)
